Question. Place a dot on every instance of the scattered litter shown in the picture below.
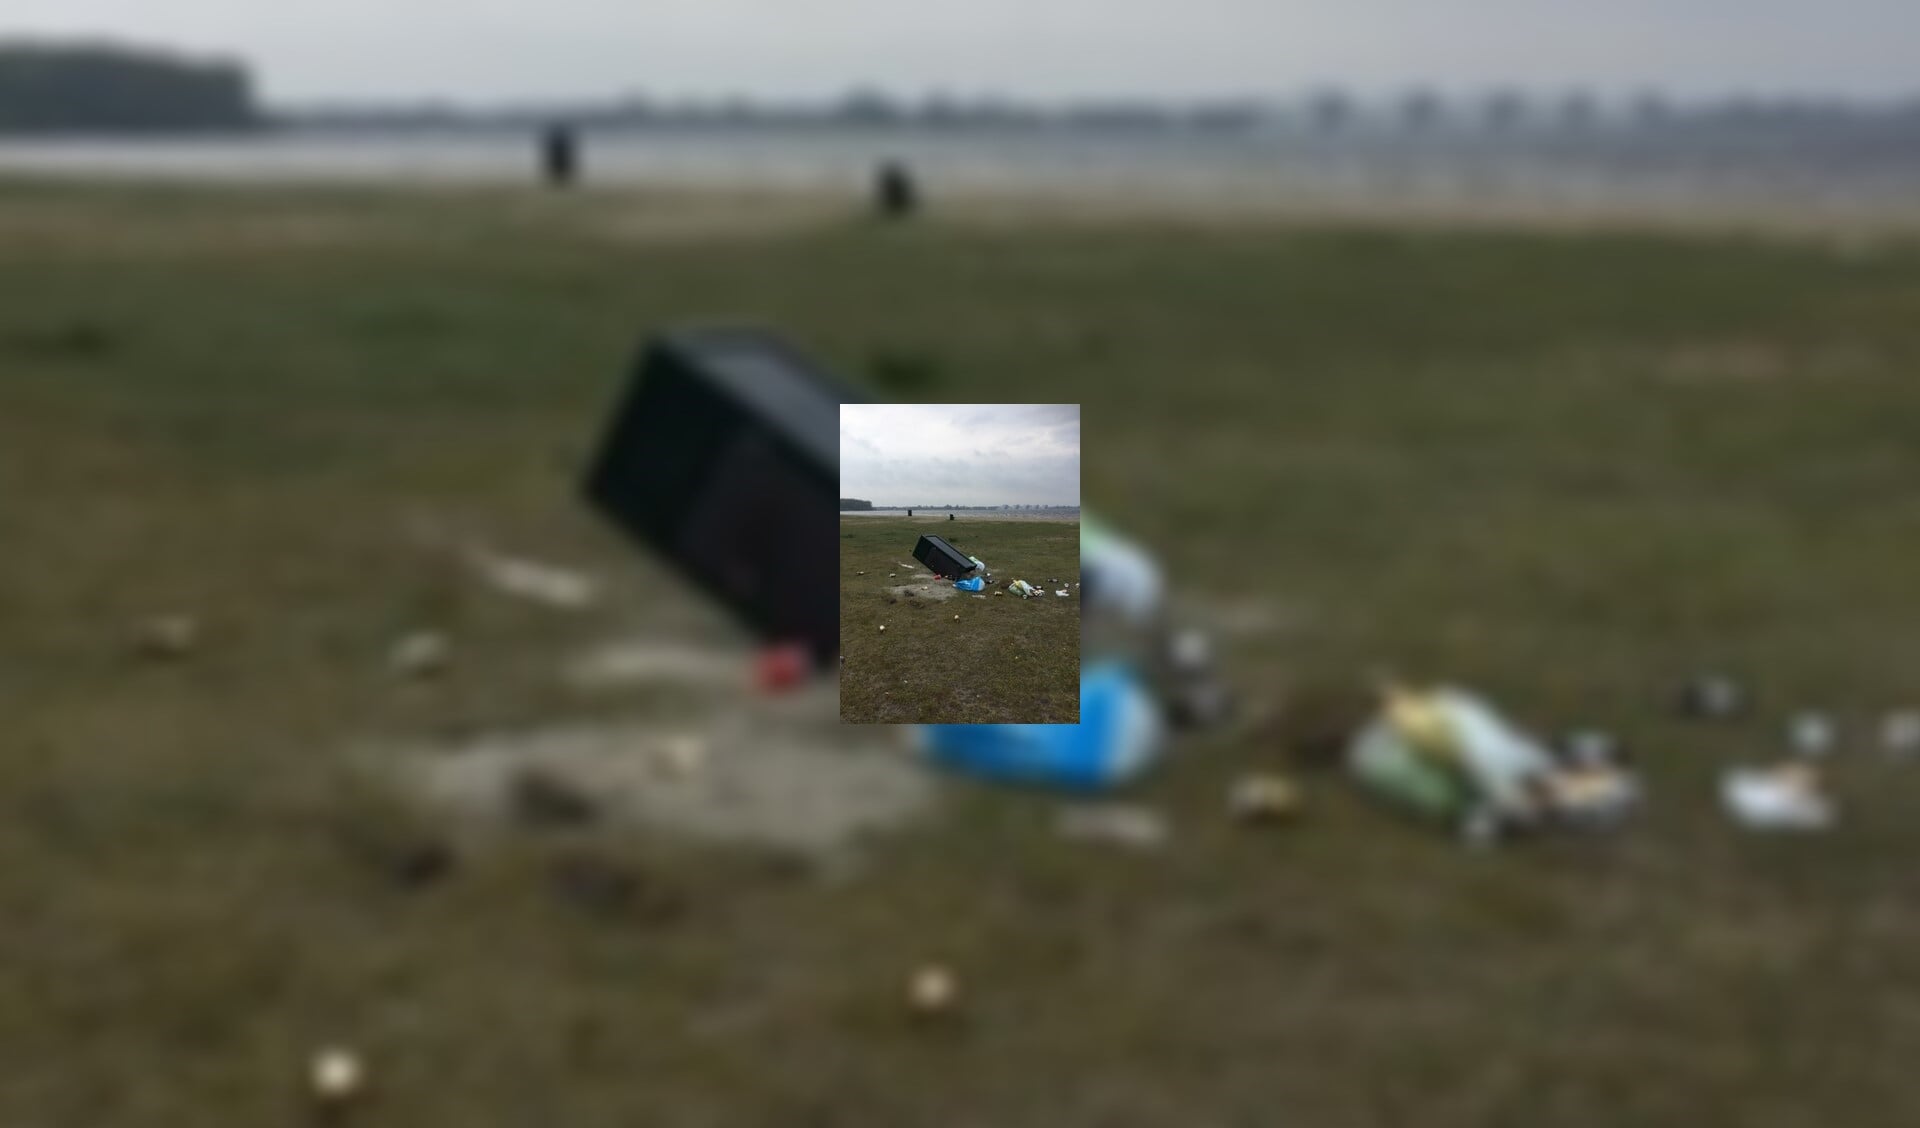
(422, 654)
(974, 584)
(1591, 748)
(1125, 578)
(1813, 735)
(779, 668)
(956, 618)
(1061, 594)
(1787, 798)
(1448, 755)
(1204, 702)
(554, 586)
(1713, 697)
(1118, 738)
(933, 992)
(335, 1076)
(999, 593)
(1190, 651)
(1263, 799)
(883, 628)
(1900, 733)
(1023, 589)
(167, 636)
(1119, 824)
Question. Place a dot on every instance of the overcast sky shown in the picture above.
(961, 453)
(503, 49)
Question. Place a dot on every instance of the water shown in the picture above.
(1811, 170)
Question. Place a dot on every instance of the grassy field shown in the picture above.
(1567, 468)
(1005, 660)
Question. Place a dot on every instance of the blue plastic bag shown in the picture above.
(1118, 738)
(975, 584)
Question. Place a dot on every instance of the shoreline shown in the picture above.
(739, 204)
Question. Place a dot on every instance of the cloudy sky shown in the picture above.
(502, 49)
(960, 454)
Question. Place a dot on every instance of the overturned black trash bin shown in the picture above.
(944, 559)
(725, 458)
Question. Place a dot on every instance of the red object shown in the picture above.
(781, 668)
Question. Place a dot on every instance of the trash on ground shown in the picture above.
(777, 669)
(1189, 652)
(1900, 733)
(1813, 734)
(883, 628)
(1023, 589)
(167, 636)
(1448, 755)
(1713, 697)
(531, 580)
(1118, 824)
(1121, 576)
(1263, 799)
(1118, 738)
(933, 991)
(1061, 594)
(1591, 748)
(1203, 702)
(336, 1076)
(1788, 798)
(421, 654)
(974, 584)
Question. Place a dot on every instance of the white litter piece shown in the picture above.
(1900, 733)
(1116, 824)
(336, 1075)
(420, 654)
(531, 580)
(1813, 734)
(1787, 799)
(1062, 594)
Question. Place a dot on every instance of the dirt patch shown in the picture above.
(739, 780)
(635, 665)
(934, 592)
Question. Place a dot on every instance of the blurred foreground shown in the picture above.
(1570, 469)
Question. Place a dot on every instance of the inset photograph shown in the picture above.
(960, 563)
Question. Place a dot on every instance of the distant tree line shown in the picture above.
(49, 88)
(850, 503)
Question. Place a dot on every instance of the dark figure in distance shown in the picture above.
(560, 155)
(896, 191)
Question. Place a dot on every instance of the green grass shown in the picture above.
(1005, 660)
(1564, 468)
